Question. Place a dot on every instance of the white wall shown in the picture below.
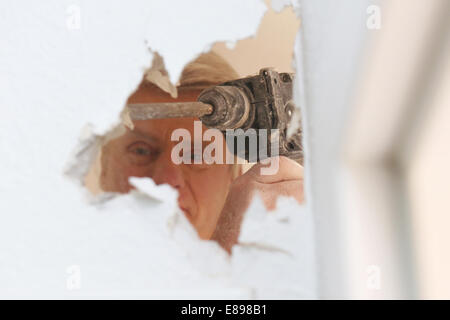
(67, 64)
(64, 79)
(375, 154)
(333, 37)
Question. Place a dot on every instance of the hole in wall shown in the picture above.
(215, 196)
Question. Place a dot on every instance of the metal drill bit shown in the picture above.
(144, 111)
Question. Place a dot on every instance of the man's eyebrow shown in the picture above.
(138, 133)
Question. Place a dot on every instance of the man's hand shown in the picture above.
(287, 181)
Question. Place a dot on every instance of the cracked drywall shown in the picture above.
(158, 75)
(56, 78)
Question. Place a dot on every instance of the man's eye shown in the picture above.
(141, 153)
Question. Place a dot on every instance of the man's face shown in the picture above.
(146, 151)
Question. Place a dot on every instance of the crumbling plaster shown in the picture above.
(67, 67)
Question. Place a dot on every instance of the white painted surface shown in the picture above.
(332, 37)
(56, 76)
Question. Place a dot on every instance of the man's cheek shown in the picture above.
(118, 172)
(207, 192)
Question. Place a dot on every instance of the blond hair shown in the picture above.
(206, 70)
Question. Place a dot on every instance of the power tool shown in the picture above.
(263, 101)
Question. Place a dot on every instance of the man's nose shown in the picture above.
(168, 172)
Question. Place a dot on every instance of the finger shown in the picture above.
(287, 170)
(270, 193)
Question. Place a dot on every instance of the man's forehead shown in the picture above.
(149, 93)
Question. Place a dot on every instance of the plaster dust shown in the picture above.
(56, 239)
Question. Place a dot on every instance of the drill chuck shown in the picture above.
(231, 107)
